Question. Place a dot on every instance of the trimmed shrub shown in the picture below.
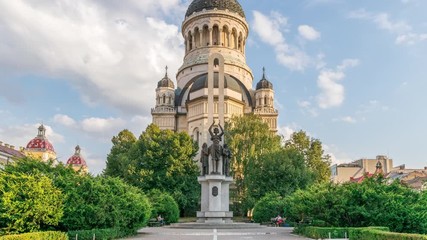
(37, 236)
(378, 234)
(268, 207)
(336, 232)
(100, 234)
(163, 204)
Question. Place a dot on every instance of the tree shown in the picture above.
(164, 205)
(269, 206)
(282, 171)
(248, 138)
(117, 160)
(370, 203)
(29, 202)
(90, 202)
(313, 152)
(163, 159)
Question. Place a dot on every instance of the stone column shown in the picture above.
(210, 37)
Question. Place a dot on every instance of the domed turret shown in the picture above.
(166, 82)
(77, 161)
(40, 147)
(231, 5)
(264, 83)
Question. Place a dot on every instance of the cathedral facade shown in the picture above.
(214, 82)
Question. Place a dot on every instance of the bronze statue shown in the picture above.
(204, 159)
(226, 156)
(215, 150)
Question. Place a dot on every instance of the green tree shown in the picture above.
(248, 138)
(29, 202)
(282, 171)
(164, 205)
(268, 207)
(370, 203)
(117, 160)
(163, 159)
(313, 153)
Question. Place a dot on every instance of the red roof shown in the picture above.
(40, 143)
(77, 159)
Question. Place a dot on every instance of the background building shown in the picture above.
(215, 34)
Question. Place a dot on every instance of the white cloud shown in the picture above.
(337, 155)
(347, 119)
(304, 104)
(332, 92)
(64, 120)
(308, 32)
(269, 29)
(403, 31)
(108, 58)
(286, 131)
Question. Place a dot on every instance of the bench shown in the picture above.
(154, 223)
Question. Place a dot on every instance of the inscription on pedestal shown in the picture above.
(215, 191)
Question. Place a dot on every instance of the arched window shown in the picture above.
(205, 35)
(215, 35)
(190, 39)
(196, 135)
(164, 99)
(225, 37)
(265, 100)
(196, 37)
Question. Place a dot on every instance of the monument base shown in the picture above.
(215, 199)
(219, 217)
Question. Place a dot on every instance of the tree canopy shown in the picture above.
(370, 203)
(159, 159)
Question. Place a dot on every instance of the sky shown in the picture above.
(350, 73)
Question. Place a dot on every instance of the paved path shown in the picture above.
(166, 233)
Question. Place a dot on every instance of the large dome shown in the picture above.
(40, 142)
(199, 5)
(202, 82)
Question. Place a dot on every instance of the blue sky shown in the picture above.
(350, 73)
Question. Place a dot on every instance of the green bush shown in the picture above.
(163, 204)
(100, 234)
(37, 236)
(268, 207)
(378, 234)
(336, 232)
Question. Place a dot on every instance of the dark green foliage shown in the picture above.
(370, 203)
(163, 204)
(282, 171)
(28, 202)
(106, 203)
(100, 234)
(268, 207)
(117, 161)
(159, 159)
(335, 232)
(377, 234)
(91, 202)
(37, 236)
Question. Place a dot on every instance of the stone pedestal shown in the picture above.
(215, 199)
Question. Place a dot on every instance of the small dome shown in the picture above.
(199, 5)
(77, 158)
(40, 142)
(264, 83)
(229, 83)
(166, 81)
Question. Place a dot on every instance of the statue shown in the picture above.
(215, 150)
(204, 159)
(226, 156)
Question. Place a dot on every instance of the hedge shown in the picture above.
(336, 232)
(100, 234)
(37, 236)
(377, 234)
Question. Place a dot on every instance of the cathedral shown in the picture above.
(214, 82)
